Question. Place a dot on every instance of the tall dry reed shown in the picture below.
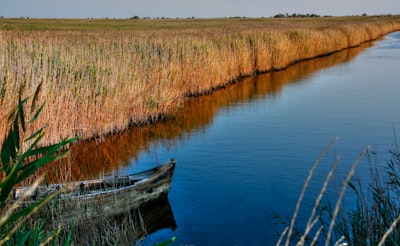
(91, 158)
(100, 80)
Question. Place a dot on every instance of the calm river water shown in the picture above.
(243, 152)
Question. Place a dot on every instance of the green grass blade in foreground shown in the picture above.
(11, 143)
(12, 219)
(20, 115)
(30, 168)
(37, 114)
(38, 134)
(16, 168)
(7, 185)
(165, 243)
(69, 238)
(32, 208)
(46, 149)
(24, 239)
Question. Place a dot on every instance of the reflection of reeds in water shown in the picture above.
(126, 228)
(98, 81)
(91, 158)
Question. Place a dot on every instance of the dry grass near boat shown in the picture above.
(125, 228)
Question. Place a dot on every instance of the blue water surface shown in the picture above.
(250, 162)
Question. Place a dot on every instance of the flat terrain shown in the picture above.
(101, 76)
(232, 24)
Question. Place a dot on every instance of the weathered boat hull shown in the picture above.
(88, 200)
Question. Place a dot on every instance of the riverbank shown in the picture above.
(99, 77)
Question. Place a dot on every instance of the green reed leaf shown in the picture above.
(50, 156)
(7, 185)
(37, 113)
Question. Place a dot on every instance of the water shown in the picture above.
(244, 152)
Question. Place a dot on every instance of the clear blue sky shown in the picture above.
(189, 8)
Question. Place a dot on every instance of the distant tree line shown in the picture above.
(294, 15)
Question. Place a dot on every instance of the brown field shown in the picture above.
(101, 76)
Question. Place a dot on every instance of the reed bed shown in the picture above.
(99, 77)
(92, 158)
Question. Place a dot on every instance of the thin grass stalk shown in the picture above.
(311, 223)
(390, 230)
(340, 242)
(11, 210)
(308, 229)
(29, 192)
(303, 191)
(341, 195)
(376, 180)
(282, 236)
(52, 236)
(316, 236)
(396, 145)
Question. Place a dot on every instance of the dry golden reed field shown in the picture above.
(98, 77)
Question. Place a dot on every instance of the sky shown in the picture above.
(191, 8)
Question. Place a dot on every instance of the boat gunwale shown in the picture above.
(153, 173)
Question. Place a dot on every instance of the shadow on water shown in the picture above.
(94, 158)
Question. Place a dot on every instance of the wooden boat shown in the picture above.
(91, 199)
